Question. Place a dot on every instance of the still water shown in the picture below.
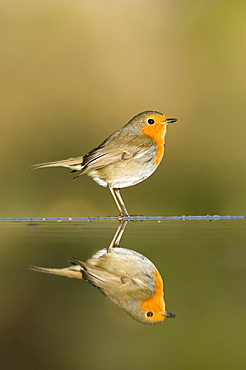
(52, 322)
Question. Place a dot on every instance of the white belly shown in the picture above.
(120, 175)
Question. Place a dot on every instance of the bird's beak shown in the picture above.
(171, 120)
(169, 315)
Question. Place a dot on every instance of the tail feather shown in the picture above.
(71, 272)
(74, 163)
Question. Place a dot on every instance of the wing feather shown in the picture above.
(107, 153)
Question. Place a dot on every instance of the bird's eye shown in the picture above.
(149, 314)
(151, 121)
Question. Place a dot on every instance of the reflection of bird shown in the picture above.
(125, 158)
(126, 277)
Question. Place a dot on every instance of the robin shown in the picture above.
(126, 277)
(125, 158)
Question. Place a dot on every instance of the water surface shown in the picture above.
(59, 323)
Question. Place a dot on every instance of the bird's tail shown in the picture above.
(74, 163)
(74, 271)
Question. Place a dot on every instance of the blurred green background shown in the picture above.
(74, 71)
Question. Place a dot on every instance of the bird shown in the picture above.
(126, 277)
(127, 157)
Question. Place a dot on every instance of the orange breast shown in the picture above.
(157, 132)
(156, 303)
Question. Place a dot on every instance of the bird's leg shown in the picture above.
(115, 198)
(124, 211)
(119, 201)
(117, 236)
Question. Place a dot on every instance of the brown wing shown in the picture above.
(115, 286)
(118, 147)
